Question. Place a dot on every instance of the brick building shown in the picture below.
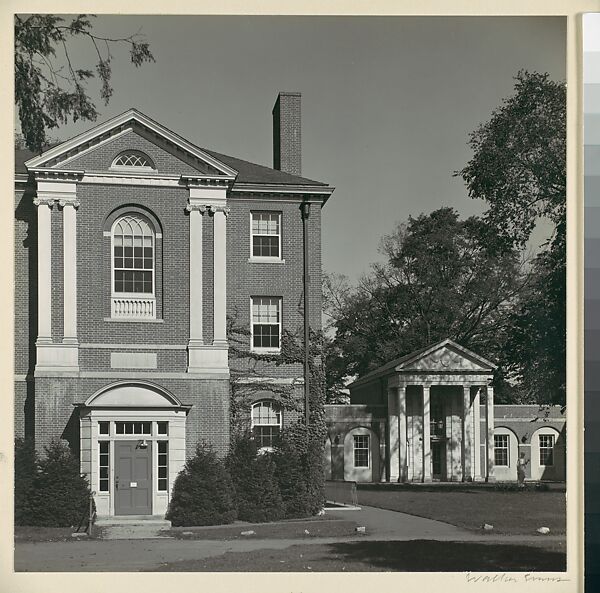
(134, 249)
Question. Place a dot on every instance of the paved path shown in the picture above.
(138, 554)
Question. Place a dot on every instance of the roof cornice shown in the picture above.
(120, 120)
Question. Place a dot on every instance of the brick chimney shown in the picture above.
(287, 145)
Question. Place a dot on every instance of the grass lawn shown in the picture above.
(374, 556)
(316, 527)
(514, 513)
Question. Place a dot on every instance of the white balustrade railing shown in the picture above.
(133, 308)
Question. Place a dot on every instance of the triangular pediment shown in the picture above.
(447, 357)
(96, 150)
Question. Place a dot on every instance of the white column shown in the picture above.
(196, 216)
(44, 262)
(489, 429)
(393, 436)
(69, 270)
(467, 433)
(220, 275)
(402, 433)
(477, 435)
(426, 434)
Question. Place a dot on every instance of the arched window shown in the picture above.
(133, 255)
(266, 423)
(133, 159)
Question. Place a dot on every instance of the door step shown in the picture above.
(133, 527)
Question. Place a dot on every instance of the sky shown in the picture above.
(387, 102)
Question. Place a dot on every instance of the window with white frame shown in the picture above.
(501, 456)
(546, 449)
(266, 323)
(266, 423)
(163, 466)
(361, 450)
(103, 465)
(133, 255)
(133, 159)
(266, 235)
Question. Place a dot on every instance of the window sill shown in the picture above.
(125, 320)
(265, 260)
(266, 350)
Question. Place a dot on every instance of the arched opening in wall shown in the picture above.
(506, 454)
(327, 458)
(361, 455)
(547, 454)
(266, 423)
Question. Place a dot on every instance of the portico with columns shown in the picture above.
(439, 407)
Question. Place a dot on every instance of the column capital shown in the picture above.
(44, 202)
(69, 202)
(195, 207)
(214, 208)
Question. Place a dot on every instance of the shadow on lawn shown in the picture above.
(428, 555)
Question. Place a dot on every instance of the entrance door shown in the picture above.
(133, 478)
(438, 455)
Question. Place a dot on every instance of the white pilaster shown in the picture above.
(426, 434)
(69, 270)
(220, 275)
(467, 433)
(44, 263)
(196, 215)
(402, 433)
(393, 436)
(208, 358)
(489, 428)
(477, 435)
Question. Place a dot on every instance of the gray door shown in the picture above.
(133, 478)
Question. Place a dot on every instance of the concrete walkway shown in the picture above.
(139, 554)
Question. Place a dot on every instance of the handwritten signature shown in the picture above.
(503, 577)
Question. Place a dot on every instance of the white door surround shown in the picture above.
(139, 412)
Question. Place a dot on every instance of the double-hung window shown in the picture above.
(266, 324)
(266, 235)
(546, 449)
(501, 449)
(133, 241)
(266, 423)
(361, 450)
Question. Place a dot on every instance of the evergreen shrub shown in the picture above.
(299, 462)
(202, 492)
(59, 494)
(257, 495)
(26, 465)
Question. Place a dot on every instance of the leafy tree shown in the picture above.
(519, 160)
(440, 280)
(47, 93)
(519, 169)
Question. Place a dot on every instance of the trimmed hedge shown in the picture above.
(202, 492)
(257, 495)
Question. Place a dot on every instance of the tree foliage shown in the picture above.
(519, 169)
(519, 160)
(440, 280)
(50, 87)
